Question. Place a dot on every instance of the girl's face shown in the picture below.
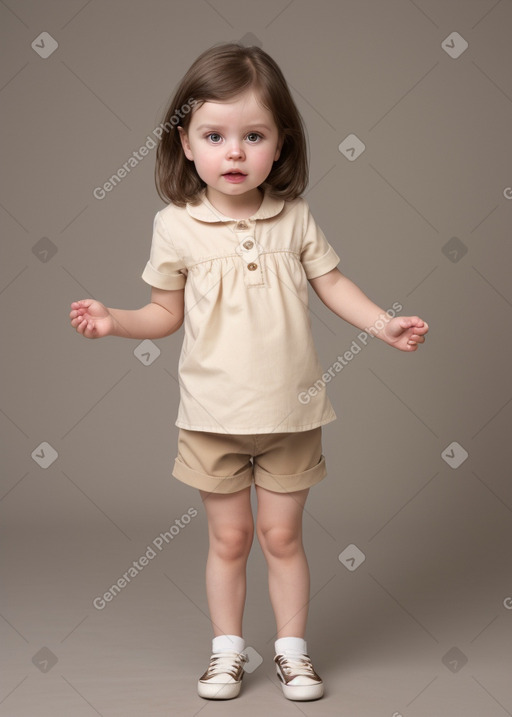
(233, 146)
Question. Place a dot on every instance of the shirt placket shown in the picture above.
(249, 250)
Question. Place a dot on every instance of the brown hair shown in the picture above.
(219, 74)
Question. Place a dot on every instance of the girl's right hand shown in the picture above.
(91, 319)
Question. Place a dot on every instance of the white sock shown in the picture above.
(291, 646)
(228, 642)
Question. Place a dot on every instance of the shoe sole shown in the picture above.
(218, 690)
(302, 692)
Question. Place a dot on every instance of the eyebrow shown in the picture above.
(256, 125)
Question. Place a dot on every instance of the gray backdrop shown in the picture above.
(408, 537)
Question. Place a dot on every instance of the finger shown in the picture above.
(77, 322)
(83, 303)
(422, 328)
(83, 326)
(90, 331)
(416, 322)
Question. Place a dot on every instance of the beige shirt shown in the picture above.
(248, 357)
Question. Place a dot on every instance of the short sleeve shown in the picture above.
(317, 255)
(165, 268)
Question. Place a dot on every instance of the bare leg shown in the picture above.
(231, 532)
(279, 530)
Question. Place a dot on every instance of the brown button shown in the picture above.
(252, 266)
(248, 244)
(241, 225)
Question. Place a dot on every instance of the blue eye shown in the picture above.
(255, 137)
(211, 137)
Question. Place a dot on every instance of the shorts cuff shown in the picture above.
(212, 484)
(289, 483)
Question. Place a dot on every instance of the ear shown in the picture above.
(278, 149)
(185, 143)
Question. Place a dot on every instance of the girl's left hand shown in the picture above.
(405, 332)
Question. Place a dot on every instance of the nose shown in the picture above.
(235, 149)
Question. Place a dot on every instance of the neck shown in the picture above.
(237, 207)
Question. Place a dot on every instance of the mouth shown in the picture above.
(235, 175)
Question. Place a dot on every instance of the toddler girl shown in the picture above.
(230, 258)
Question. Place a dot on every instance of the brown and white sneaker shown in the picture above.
(223, 678)
(299, 680)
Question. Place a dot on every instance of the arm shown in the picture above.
(161, 317)
(347, 301)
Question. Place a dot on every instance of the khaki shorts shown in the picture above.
(221, 462)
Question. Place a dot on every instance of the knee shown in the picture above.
(233, 543)
(280, 542)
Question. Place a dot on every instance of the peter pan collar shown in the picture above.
(206, 212)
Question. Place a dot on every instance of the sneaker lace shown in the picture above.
(297, 666)
(222, 662)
